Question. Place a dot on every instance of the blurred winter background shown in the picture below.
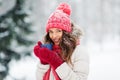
(22, 24)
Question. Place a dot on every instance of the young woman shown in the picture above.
(61, 56)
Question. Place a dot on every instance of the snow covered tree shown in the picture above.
(15, 28)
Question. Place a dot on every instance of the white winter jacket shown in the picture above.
(78, 71)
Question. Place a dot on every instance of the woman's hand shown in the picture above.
(37, 52)
(50, 57)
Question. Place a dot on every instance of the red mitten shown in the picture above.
(51, 57)
(39, 43)
(37, 52)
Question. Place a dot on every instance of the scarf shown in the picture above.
(47, 74)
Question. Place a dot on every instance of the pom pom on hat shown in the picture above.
(65, 8)
(60, 18)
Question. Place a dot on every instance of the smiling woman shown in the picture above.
(61, 57)
(55, 35)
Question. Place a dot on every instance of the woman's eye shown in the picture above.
(50, 32)
(59, 30)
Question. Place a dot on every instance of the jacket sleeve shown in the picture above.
(79, 69)
(40, 71)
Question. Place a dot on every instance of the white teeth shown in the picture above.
(56, 40)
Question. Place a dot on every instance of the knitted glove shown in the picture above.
(37, 52)
(50, 57)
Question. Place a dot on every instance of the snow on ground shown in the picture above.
(23, 69)
(104, 67)
(104, 60)
(104, 63)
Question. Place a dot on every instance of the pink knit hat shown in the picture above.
(60, 18)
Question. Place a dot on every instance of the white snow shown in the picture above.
(23, 69)
(104, 60)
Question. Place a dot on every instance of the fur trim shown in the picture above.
(77, 31)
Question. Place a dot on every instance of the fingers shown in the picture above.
(39, 43)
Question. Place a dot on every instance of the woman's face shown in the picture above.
(55, 35)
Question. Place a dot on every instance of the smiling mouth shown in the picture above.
(56, 41)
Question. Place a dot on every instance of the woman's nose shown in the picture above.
(54, 35)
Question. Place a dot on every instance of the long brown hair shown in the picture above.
(67, 45)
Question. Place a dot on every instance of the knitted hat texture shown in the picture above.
(60, 18)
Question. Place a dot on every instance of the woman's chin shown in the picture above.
(57, 43)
